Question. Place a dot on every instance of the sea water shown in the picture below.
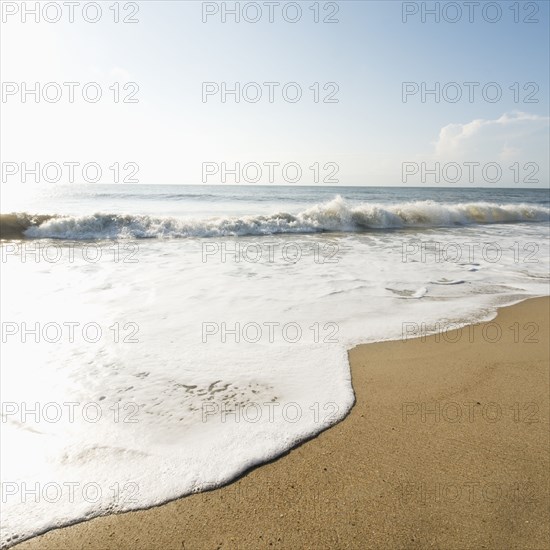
(162, 340)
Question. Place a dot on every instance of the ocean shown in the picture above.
(161, 340)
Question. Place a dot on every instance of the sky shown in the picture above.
(369, 134)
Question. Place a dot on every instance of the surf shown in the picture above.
(336, 215)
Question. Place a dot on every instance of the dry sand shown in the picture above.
(392, 474)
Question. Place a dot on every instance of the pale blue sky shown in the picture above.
(369, 53)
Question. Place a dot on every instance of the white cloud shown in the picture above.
(511, 135)
(510, 150)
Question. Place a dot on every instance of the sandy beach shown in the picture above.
(447, 447)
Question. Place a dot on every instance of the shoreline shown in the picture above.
(440, 449)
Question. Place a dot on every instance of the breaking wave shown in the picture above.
(334, 216)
